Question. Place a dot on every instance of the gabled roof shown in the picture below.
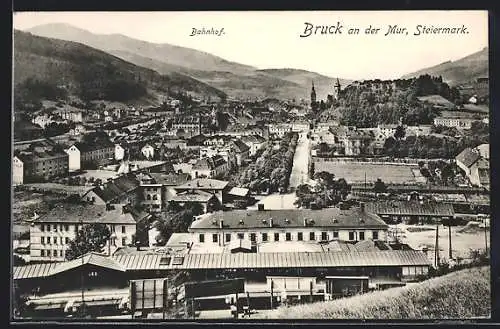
(86, 147)
(90, 258)
(112, 190)
(239, 146)
(170, 179)
(203, 184)
(410, 208)
(192, 196)
(239, 191)
(210, 162)
(88, 213)
(293, 218)
(468, 157)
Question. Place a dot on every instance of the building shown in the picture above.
(267, 226)
(42, 120)
(84, 155)
(255, 142)
(168, 182)
(459, 123)
(210, 167)
(122, 190)
(119, 152)
(356, 142)
(411, 212)
(241, 150)
(213, 186)
(475, 165)
(420, 130)
(280, 129)
(41, 161)
(386, 130)
(187, 126)
(70, 115)
(50, 234)
(208, 201)
(299, 126)
(148, 151)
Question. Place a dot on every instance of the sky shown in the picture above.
(272, 39)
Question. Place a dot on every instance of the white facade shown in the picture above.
(74, 157)
(49, 241)
(280, 129)
(17, 171)
(148, 151)
(152, 197)
(119, 152)
(459, 123)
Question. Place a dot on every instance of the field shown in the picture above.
(463, 294)
(436, 100)
(354, 172)
(461, 241)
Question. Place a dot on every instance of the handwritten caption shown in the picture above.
(339, 28)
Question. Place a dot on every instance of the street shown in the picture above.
(299, 175)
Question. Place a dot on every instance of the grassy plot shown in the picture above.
(463, 294)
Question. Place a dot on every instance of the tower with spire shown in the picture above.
(313, 94)
(337, 89)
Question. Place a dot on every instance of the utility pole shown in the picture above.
(436, 247)
(450, 254)
(272, 295)
(485, 237)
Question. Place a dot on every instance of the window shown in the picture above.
(228, 237)
(48, 240)
(288, 236)
(264, 237)
(165, 260)
(253, 237)
(67, 240)
(124, 241)
(375, 235)
(202, 238)
(42, 253)
(312, 236)
(361, 235)
(324, 236)
(155, 197)
(48, 227)
(66, 227)
(276, 236)
(55, 240)
(148, 197)
(215, 237)
(42, 228)
(55, 227)
(42, 240)
(48, 253)
(241, 236)
(351, 235)
(335, 234)
(61, 253)
(123, 229)
(300, 236)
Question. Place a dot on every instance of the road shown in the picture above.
(299, 175)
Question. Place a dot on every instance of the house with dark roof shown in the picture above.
(39, 163)
(85, 155)
(210, 167)
(121, 190)
(50, 234)
(208, 201)
(241, 150)
(216, 187)
(411, 212)
(475, 165)
(255, 142)
(264, 226)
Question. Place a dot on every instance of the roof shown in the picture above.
(170, 179)
(468, 157)
(203, 183)
(329, 217)
(88, 213)
(113, 190)
(48, 269)
(276, 260)
(192, 196)
(86, 147)
(239, 146)
(210, 162)
(410, 208)
(239, 191)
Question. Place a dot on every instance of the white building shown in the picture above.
(280, 129)
(459, 123)
(50, 234)
(148, 151)
(119, 152)
(263, 226)
(17, 171)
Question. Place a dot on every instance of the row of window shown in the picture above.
(353, 236)
(65, 227)
(52, 253)
(154, 197)
(63, 241)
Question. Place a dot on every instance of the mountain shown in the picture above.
(461, 71)
(44, 64)
(237, 80)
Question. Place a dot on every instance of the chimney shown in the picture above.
(270, 222)
(221, 223)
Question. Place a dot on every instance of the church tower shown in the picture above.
(337, 89)
(313, 94)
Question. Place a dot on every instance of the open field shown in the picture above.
(461, 242)
(460, 295)
(355, 172)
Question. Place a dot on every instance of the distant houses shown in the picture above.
(475, 163)
(83, 155)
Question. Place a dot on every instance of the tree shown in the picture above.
(400, 132)
(90, 238)
(379, 186)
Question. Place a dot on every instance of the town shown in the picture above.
(230, 208)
